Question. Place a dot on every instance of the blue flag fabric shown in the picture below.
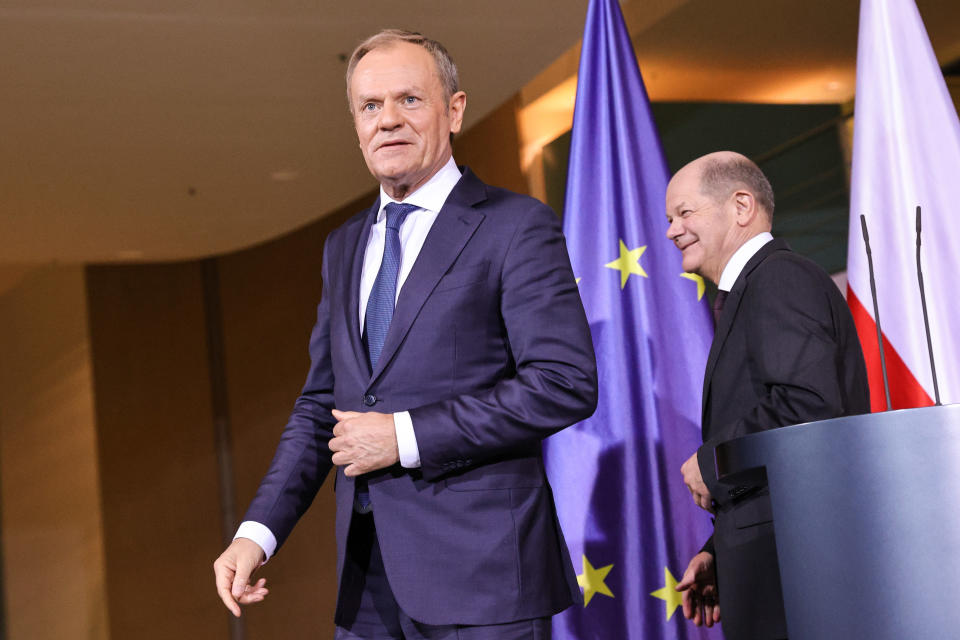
(630, 523)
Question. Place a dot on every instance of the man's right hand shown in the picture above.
(694, 481)
(233, 570)
(699, 587)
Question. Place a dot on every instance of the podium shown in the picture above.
(866, 513)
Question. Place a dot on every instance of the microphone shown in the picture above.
(926, 322)
(876, 308)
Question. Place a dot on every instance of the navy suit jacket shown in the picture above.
(785, 352)
(490, 351)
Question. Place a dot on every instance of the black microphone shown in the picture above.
(876, 310)
(926, 322)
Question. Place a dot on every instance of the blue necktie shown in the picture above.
(383, 295)
(380, 306)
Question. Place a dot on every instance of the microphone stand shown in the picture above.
(926, 321)
(876, 310)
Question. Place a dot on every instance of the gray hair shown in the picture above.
(720, 178)
(446, 69)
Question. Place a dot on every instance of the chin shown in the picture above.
(392, 174)
(395, 166)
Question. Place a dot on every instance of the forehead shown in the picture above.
(684, 187)
(395, 64)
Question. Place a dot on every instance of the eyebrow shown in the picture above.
(406, 91)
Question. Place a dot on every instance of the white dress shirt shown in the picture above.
(740, 258)
(430, 199)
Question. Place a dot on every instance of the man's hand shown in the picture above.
(699, 587)
(233, 570)
(694, 481)
(364, 442)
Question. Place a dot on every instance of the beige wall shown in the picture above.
(53, 571)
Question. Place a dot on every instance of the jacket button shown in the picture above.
(369, 400)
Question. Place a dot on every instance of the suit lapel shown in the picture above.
(730, 307)
(719, 337)
(355, 240)
(454, 226)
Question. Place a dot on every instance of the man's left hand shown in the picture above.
(699, 588)
(364, 442)
(694, 481)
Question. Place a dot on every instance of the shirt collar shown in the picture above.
(432, 194)
(740, 258)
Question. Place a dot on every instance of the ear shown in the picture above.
(746, 207)
(458, 104)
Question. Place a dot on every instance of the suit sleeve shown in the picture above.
(792, 354)
(303, 458)
(555, 380)
(708, 547)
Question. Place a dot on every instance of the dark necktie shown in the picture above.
(380, 306)
(383, 295)
(718, 305)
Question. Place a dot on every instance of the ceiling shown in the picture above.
(186, 129)
(183, 129)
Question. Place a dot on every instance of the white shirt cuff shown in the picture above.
(406, 440)
(259, 534)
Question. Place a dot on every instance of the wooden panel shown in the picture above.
(492, 148)
(158, 468)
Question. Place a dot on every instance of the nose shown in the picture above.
(389, 117)
(675, 229)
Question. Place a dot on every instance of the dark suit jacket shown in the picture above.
(490, 351)
(785, 352)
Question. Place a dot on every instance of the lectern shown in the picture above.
(866, 511)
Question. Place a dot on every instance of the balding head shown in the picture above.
(714, 205)
(724, 172)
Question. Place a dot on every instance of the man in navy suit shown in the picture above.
(785, 351)
(450, 341)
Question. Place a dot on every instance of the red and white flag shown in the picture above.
(906, 152)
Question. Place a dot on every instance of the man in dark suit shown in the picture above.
(450, 340)
(785, 352)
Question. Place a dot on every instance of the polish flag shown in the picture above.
(906, 152)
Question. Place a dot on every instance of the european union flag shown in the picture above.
(630, 523)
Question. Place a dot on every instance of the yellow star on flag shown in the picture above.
(701, 286)
(628, 263)
(592, 581)
(668, 593)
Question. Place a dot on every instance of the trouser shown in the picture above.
(368, 610)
